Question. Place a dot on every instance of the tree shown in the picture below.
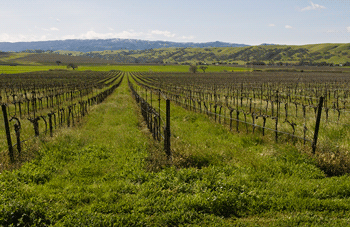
(193, 69)
(203, 68)
(58, 62)
(72, 65)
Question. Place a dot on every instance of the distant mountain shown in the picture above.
(267, 44)
(104, 44)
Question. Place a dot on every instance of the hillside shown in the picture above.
(8, 58)
(269, 54)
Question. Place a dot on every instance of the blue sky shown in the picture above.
(293, 22)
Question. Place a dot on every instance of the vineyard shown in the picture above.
(297, 108)
(168, 149)
(37, 103)
(284, 106)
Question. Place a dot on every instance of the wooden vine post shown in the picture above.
(167, 130)
(50, 123)
(278, 104)
(159, 111)
(231, 110)
(318, 119)
(8, 134)
(276, 129)
(17, 127)
(35, 123)
(237, 125)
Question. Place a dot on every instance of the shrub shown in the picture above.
(72, 65)
(193, 69)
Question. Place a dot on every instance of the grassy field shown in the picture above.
(5, 69)
(127, 68)
(108, 171)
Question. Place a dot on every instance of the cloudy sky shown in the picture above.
(253, 22)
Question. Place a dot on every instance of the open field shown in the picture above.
(108, 170)
(127, 68)
(6, 69)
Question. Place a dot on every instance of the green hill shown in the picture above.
(315, 53)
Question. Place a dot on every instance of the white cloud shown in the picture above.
(342, 31)
(129, 34)
(164, 33)
(313, 7)
(95, 35)
(272, 25)
(187, 37)
(288, 26)
(69, 37)
(45, 29)
(4, 37)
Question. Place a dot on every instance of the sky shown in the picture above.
(252, 22)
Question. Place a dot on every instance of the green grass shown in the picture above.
(27, 68)
(127, 68)
(80, 171)
(98, 175)
(13, 56)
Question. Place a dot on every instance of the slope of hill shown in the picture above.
(51, 58)
(268, 54)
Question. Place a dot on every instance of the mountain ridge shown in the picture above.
(88, 45)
